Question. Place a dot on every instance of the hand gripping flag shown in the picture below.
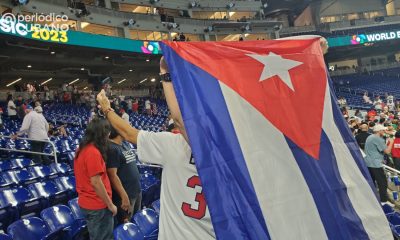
(275, 157)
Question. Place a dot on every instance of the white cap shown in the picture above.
(379, 127)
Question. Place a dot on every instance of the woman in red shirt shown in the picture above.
(92, 183)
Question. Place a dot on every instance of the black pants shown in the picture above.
(37, 146)
(122, 215)
(378, 176)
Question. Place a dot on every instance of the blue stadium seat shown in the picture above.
(7, 179)
(150, 186)
(22, 201)
(128, 231)
(50, 191)
(395, 219)
(4, 236)
(68, 184)
(147, 220)
(156, 206)
(61, 217)
(388, 210)
(76, 211)
(43, 171)
(6, 165)
(22, 162)
(25, 177)
(33, 228)
(61, 168)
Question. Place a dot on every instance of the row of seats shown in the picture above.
(19, 202)
(143, 225)
(394, 220)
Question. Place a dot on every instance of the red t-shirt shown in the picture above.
(88, 164)
(135, 106)
(396, 148)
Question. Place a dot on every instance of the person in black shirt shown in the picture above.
(124, 178)
(362, 136)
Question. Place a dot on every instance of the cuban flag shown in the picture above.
(274, 154)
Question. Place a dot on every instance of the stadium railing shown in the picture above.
(54, 154)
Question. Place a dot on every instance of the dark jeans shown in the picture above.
(37, 146)
(379, 176)
(100, 223)
(122, 215)
(396, 162)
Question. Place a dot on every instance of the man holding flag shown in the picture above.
(274, 155)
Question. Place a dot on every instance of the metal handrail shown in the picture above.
(32, 152)
(391, 169)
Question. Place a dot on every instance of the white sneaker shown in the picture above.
(388, 203)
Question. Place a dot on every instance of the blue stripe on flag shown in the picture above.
(231, 198)
(329, 192)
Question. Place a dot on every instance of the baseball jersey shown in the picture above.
(183, 213)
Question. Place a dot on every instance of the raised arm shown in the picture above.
(128, 132)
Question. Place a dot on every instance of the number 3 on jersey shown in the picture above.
(187, 209)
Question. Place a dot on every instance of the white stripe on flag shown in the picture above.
(360, 193)
(286, 202)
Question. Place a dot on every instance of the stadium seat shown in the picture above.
(76, 211)
(395, 219)
(25, 177)
(22, 201)
(50, 191)
(67, 183)
(61, 217)
(6, 165)
(147, 220)
(33, 228)
(61, 168)
(7, 179)
(43, 171)
(128, 231)
(22, 162)
(388, 210)
(4, 236)
(156, 206)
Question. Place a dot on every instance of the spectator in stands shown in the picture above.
(182, 37)
(342, 102)
(38, 107)
(36, 126)
(366, 98)
(92, 182)
(124, 115)
(396, 151)
(358, 114)
(375, 148)
(57, 131)
(20, 109)
(173, 152)
(129, 105)
(135, 105)
(147, 105)
(11, 108)
(378, 103)
(124, 177)
(371, 126)
(362, 136)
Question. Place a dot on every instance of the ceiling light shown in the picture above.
(130, 70)
(84, 88)
(147, 60)
(153, 79)
(29, 66)
(48, 80)
(52, 53)
(73, 81)
(106, 57)
(123, 80)
(144, 80)
(11, 83)
(82, 69)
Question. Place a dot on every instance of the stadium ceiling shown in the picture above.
(38, 61)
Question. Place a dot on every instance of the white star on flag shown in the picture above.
(275, 65)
